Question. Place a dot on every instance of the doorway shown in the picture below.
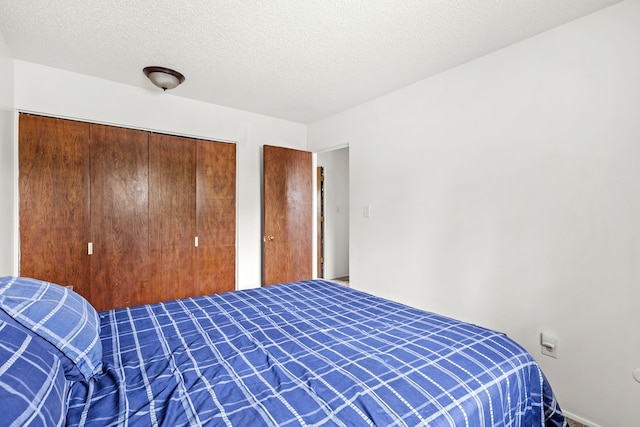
(333, 214)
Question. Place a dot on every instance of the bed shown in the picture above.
(304, 353)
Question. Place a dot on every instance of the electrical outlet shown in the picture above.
(549, 345)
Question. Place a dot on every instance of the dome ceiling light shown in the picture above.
(163, 77)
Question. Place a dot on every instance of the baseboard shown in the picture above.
(580, 419)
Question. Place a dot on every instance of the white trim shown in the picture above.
(16, 197)
(314, 216)
(122, 125)
(580, 419)
(333, 148)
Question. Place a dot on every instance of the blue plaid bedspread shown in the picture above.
(307, 353)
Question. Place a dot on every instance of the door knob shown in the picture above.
(269, 238)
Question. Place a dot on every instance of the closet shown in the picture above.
(125, 216)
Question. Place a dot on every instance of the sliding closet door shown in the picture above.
(172, 216)
(216, 216)
(119, 217)
(53, 185)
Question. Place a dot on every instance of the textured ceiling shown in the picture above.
(299, 60)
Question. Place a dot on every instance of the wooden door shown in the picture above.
(119, 217)
(54, 200)
(287, 247)
(172, 217)
(139, 199)
(216, 217)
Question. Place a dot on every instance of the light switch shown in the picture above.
(366, 212)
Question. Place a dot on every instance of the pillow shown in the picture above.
(59, 315)
(33, 388)
(71, 371)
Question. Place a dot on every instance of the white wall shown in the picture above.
(336, 211)
(506, 192)
(8, 174)
(60, 93)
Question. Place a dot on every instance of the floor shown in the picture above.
(342, 280)
(575, 423)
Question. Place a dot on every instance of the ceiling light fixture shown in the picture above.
(165, 78)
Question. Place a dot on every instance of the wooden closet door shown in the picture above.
(119, 217)
(172, 216)
(53, 185)
(216, 217)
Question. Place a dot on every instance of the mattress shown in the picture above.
(306, 353)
